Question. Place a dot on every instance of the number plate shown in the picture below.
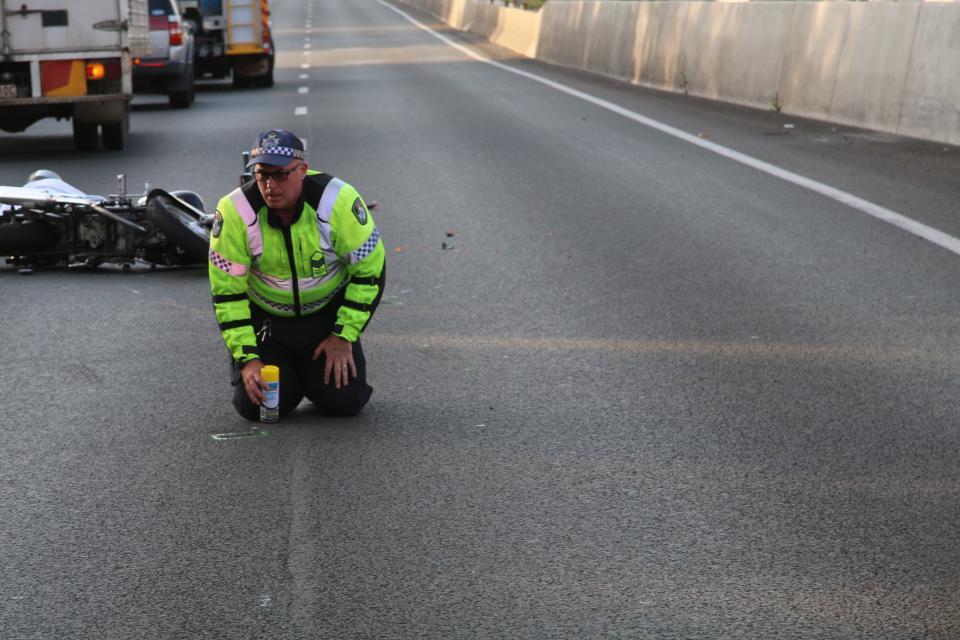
(8, 91)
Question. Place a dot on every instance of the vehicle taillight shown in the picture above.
(103, 69)
(103, 76)
(176, 33)
(96, 71)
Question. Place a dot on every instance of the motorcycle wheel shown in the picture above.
(180, 226)
(192, 198)
(17, 239)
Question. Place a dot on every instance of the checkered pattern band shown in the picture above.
(288, 152)
(289, 308)
(367, 247)
(230, 268)
(279, 306)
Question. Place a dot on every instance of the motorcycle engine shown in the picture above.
(93, 232)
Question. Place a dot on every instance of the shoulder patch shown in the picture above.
(359, 211)
(217, 224)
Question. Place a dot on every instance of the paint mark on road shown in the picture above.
(239, 435)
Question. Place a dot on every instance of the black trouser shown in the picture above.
(289, 343)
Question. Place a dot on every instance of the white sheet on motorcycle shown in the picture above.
(39, 198)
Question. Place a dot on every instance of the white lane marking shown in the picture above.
(305, 65)
(937, 237)
(303, 76)
(303, 90)
(306, 46)
(300, 111)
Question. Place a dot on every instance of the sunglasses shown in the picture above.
(276, 176)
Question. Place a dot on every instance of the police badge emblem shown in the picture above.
(217, 225)
(270, 139)
(359, 211)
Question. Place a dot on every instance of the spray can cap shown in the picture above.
(270, 373)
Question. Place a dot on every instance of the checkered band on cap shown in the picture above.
(288, 152)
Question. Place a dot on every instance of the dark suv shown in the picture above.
(168, 68)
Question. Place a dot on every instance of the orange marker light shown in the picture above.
(95, 71)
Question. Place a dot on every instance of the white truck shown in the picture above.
(71, 59)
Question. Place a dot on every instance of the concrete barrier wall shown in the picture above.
(717, 64)
(872, 68)
(450, 11)
(659, 51)
(888, 66)
(930, 107)
(514, 29)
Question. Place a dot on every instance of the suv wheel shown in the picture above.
(183, 99)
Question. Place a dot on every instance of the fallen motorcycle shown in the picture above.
(47, 227)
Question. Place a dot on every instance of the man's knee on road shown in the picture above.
(342, 402)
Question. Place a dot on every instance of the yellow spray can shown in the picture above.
(270, 407)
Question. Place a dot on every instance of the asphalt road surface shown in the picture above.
(646, 390)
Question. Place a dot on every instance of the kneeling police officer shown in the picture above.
(296, 270)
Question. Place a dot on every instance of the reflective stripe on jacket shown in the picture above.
(332, 242)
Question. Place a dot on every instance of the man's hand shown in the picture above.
(339, 354)
(253, 383)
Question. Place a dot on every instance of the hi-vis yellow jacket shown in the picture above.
(331, 243)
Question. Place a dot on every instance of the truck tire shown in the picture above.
(115, 134)
(85, 135)
(264, 81)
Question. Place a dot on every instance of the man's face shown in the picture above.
(281, 186)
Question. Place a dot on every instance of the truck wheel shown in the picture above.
(264, 80)
(85, 136)
(115, 134)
